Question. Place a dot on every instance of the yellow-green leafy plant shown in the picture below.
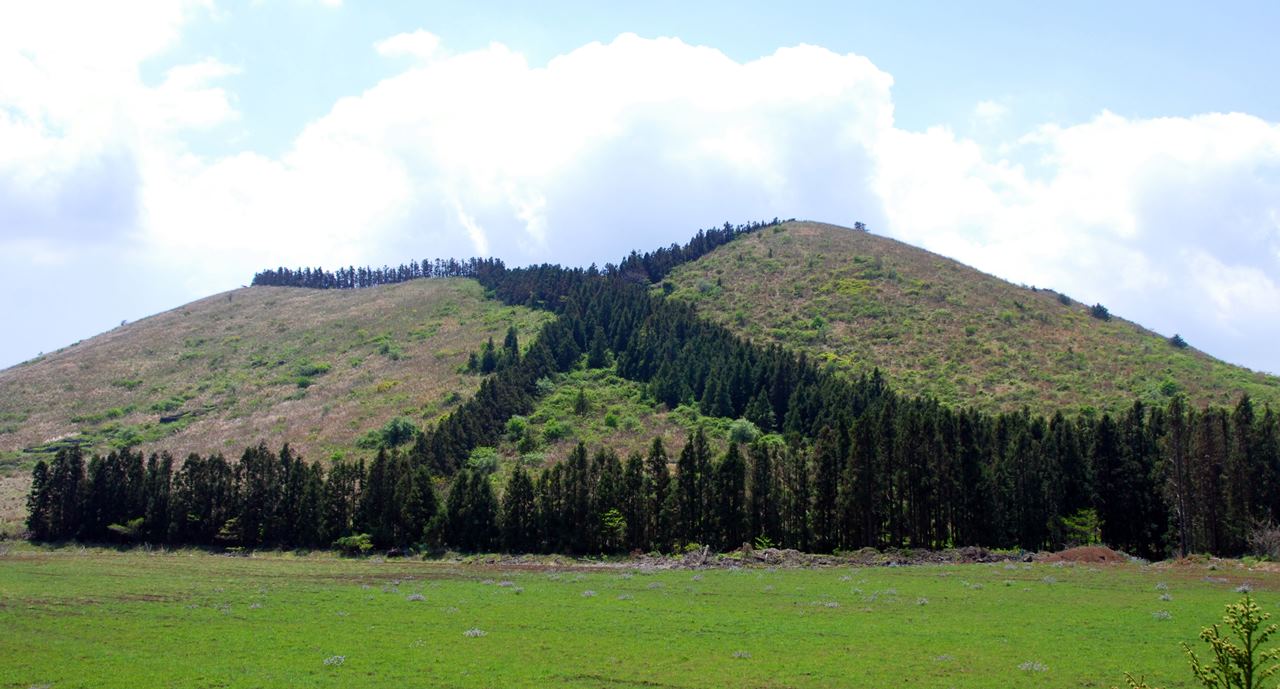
(1238, 661)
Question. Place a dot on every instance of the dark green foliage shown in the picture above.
(471, 514)
(730, 500)
(1100, 312)
(693, 490)
(597, 355)
(1178, 342)
(519, 516)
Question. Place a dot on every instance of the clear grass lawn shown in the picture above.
(89, 618)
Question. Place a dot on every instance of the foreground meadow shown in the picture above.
(76, 617)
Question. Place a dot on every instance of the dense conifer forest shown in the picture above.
(827, 462)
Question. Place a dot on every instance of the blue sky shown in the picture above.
(155, 152)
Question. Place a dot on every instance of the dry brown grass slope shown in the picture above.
(938, 327)
(274, 364)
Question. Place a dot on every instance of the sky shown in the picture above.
(152, 153)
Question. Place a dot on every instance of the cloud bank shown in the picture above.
(631, 144)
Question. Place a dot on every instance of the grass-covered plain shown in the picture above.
(86, 618)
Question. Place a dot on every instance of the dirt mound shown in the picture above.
(1093, 554)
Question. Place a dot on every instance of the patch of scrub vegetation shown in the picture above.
(403, 622)
(936, 327)
(601, 409)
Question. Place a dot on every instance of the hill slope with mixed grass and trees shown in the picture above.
(569, 439)
(314, 368)
(936, 327)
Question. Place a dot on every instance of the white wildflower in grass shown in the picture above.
(517, 590)
(506, 584)
(626, 575)
(768, 587)
(624, 596)
(1008, 582)
(335, 660)
(655, 585)
(1166, 597)
(1010, 566)
(1161, 586)
(696, 577)
(1244, 588)
(415, 597)
(588, 594)
(553, 576)
(1049, 580)
(1033, 666)
(579, 577)
(474, 633)
(342, 613)
(255, 606)
(944, 658)
(891, 592)
(742, 655)
(922, 601)
(1161, 615)
(846, 578)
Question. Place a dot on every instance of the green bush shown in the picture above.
(355, 544)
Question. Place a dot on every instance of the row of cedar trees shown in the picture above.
(847, 462)
(910, 473)
(355, 278)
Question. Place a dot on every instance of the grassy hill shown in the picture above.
(936, 326)
(311, 367)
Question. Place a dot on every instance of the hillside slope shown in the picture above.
(316, 368)
(937, 327)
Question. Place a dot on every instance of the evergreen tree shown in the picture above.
(762, 509)
(518, 516)
(825, 489)
(511, 347)
(730, 500)
(635, 501)
(760, 412)
(488, 358)
(597, 356)
(658, 497)
(39, 504)
(693, 487)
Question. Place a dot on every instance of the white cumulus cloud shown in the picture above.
(630, 144)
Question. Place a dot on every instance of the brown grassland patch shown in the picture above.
(272, 364)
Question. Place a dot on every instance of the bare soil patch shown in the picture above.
(1092, 554)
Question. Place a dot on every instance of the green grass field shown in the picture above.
(88, 618)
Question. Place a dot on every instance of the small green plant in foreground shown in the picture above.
(1238, 662)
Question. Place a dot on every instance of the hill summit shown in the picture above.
(937, 327)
